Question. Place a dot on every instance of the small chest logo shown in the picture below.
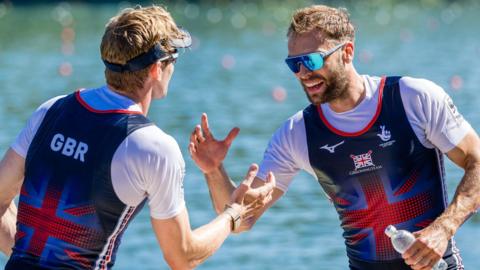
(363, 163)
(385, 135)
(363, 160)
(331, 149)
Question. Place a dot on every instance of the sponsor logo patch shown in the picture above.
(331, 149)
(453, 111)
(363, 163)
(385, 136)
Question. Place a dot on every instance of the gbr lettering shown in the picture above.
(69, 147)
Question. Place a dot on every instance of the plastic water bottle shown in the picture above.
(402, 240)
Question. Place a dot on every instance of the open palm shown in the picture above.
(208, 152)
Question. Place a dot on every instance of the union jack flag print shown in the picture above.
(363, 160)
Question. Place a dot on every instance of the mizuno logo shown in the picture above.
(331, 149)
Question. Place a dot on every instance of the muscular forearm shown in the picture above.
(208, 238)
(7, 229)
(221, 188)
(184, 248)
(465, 202)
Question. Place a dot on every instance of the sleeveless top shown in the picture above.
(69, 216)
(378, 176)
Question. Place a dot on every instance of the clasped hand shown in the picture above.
(249, 201)
(428, 248)
(209, 153)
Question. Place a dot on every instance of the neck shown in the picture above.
(355, 94)
(142, 98)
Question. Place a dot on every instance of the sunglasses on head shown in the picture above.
(154, 54)
(170, 58)
(312, 61)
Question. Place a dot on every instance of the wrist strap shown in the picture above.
(234, 215)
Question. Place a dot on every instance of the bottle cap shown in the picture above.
(390, 230)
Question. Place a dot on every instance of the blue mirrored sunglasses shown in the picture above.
(312, 61)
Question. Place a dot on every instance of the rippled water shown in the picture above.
(231, 73)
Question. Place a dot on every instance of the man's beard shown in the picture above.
(336, 87)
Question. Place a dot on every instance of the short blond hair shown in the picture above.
(333, 23)
(130, 33)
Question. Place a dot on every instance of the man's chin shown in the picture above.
(315, 99)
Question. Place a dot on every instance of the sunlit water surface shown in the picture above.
(235, 72)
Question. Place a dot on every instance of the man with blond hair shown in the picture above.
(87, 162)
(374, 144)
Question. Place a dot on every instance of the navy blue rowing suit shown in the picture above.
(69, 216)
(381, 175)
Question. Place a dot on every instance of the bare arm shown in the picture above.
(432, 241)
(467, 196)
(12, 168)
(8, 229)
(209, 153)
(220, 187)
(185, 249)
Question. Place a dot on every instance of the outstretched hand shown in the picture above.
(249, 201)
(208, 152)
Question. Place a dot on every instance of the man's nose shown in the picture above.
(303, 72)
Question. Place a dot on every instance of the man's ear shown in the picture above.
(349, 52)
(156, 70)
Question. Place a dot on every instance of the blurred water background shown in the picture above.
(235, 72)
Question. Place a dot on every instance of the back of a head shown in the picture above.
(333, 24)
(130, 33)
